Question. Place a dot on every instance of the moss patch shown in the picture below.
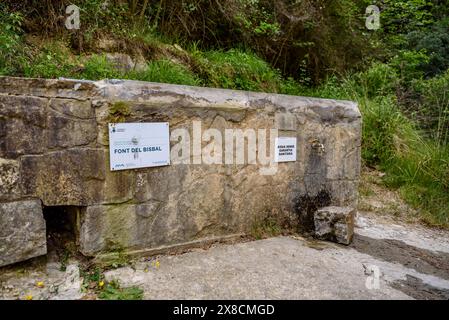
(119, 112)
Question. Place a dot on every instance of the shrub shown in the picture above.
(386, 132)
(167, 72)
(410, 65)
(51, 61)
(433, 110)
(236, 69)
(435, 42)
(403, 16)
(296, 37)
(98, 67)
(10, 39)
(379, 80)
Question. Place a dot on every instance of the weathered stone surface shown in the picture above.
(65, 132)
(125, 63)
(171, 214)
(71, 123)
(54, 139)
(9, 179)
(73, 108)
(107, 228)
(335, 224)
(22, 125)
(343, 153)
(344, 193)
(70, 177)
(78, 177)
(27, 126)
(286, 122)
(22, 231)
(50, 88)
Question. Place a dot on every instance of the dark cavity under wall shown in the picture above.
(62, 228)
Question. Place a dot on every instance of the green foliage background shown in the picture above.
(398, 74)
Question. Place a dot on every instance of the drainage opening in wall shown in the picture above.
(62, 229)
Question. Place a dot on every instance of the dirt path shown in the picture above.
(413, 262)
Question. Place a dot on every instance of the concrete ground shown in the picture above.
(409, 261)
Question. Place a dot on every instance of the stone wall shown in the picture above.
(54, 152)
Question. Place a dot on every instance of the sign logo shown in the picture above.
(139, 145)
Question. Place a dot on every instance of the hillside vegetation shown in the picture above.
(398, 74)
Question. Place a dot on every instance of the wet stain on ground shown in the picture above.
(317, 244)
(429, 262)
(417, 289)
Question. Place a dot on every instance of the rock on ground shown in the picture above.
(22, 231)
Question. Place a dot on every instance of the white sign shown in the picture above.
(139, 145)
(285, 149)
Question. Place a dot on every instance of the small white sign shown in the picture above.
(139, 145)
(285, 149)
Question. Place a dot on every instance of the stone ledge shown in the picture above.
(49, 88)
(129, 90)
(171, 249)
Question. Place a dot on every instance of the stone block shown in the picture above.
(70, 177)
(22, 126)
(73, 108)
(22, 231)
(285, 122)
(75, 177)
(335, 224)
(9, 179)
(65, 132)
(71, 123)
(114, 227)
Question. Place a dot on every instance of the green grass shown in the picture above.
(91, 277)
(51, 61)
(265, 228)
(236, 69)
(113, 291)
(167, 72)
(418, 167)
(233, 69)
(98, 67)
(93, 281)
